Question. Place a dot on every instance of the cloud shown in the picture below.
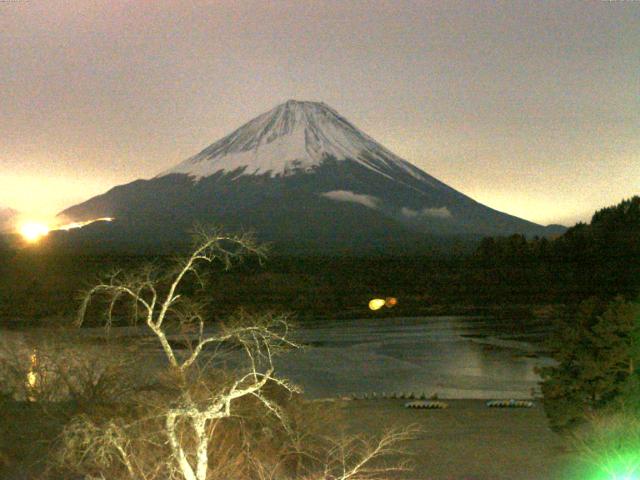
(347, 196)
(442, 212)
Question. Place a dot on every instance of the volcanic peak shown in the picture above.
(292, 137)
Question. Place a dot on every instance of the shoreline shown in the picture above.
(467, 440)
(519, 314)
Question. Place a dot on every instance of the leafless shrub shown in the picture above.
(58, 365)
(99, 446)
(240, 447)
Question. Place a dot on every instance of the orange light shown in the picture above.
(391, 302)
(33, 231)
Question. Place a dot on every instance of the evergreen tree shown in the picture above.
(600, 258)
(597, 359)
(629, 400)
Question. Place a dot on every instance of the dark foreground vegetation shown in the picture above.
(211, 407)
(592, 394)
(86, 416)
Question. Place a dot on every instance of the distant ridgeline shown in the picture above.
(601, 258)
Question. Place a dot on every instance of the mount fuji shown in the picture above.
(301, 176)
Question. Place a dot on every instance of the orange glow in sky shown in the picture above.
(32, 232)
(491, 98)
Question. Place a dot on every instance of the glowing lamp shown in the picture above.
(376, 304)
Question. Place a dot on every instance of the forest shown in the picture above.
(505, 275)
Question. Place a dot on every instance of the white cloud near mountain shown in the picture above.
(441, 212)
(347, 196)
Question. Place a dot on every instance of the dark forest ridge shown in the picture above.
(508, 273)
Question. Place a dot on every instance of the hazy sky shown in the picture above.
(532, 108)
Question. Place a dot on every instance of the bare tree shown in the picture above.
(260, 339)
(190, 414)
(355, 457)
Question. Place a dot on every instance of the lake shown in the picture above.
(453, 357)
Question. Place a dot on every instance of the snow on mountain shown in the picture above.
(294, 136)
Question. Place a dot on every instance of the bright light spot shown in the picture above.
(33, 231)
(376, 304)
(31, 379)
(619, 466)
(390, 302)
(32, 376)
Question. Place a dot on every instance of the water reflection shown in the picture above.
(32, 376)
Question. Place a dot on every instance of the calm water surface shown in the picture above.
(453, 357)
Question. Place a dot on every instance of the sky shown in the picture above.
(532, 108)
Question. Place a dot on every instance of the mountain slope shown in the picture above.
(298, 173)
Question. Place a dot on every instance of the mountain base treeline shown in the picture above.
(502, 275)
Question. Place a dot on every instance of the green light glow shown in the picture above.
(607, 448)
(622, 466)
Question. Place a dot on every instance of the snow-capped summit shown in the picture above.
(301, 176)
(295, 136)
